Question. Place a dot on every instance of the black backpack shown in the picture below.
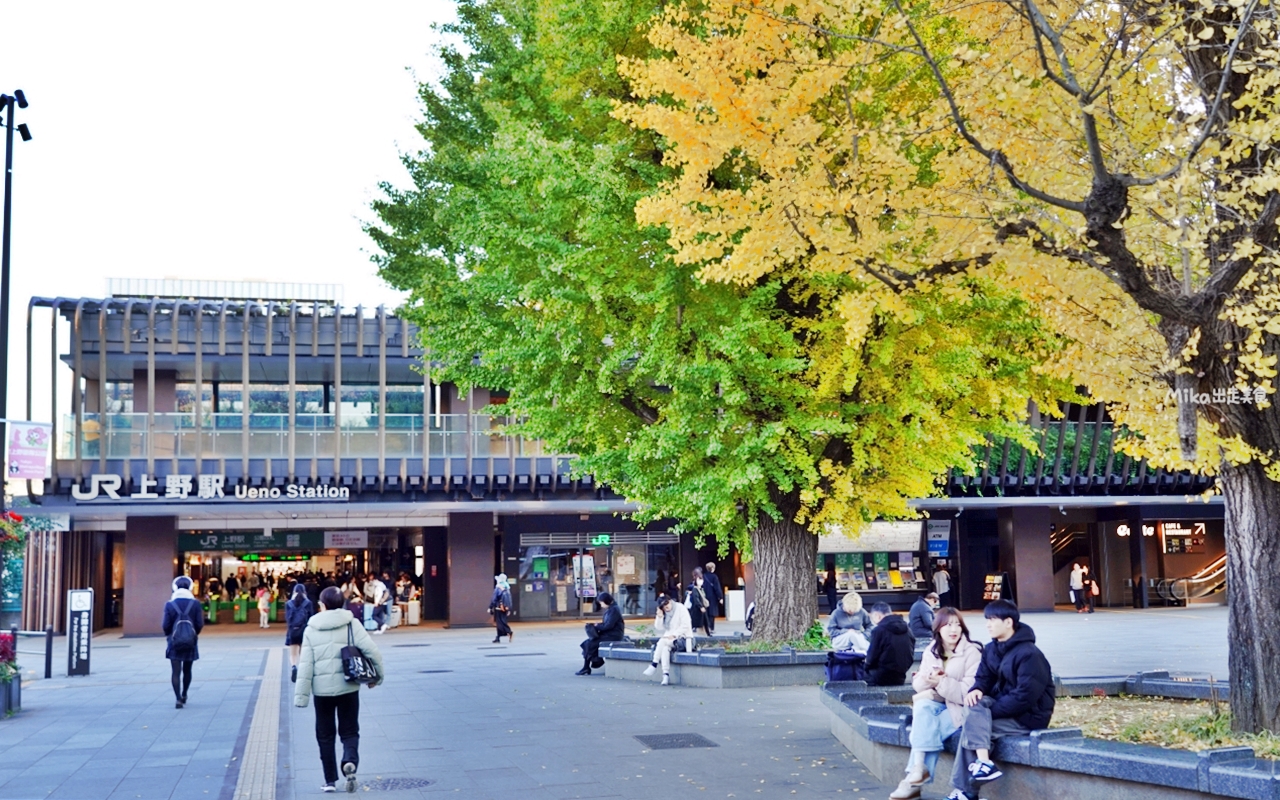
(183, 636)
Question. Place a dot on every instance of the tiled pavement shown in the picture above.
(487, 721)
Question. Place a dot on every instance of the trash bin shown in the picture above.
(395, 617)
(415, 612)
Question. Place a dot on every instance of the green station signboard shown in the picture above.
(251, 542)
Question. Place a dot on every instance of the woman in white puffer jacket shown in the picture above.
(673, 624)
(320, 674)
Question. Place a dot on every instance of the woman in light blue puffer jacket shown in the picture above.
(320, 674)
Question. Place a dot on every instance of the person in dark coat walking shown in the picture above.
(610, 628)
(715, 593)
(697, 602)
(892, 649)
(1012, 695)
(183, 621)
(296, 613)
(829, 589)
(500, 606)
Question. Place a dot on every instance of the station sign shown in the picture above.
(251, 542)
(181, 487)
(260, 542)
(274, 556)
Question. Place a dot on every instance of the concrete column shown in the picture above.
(1027, 555)
(150, 555)
(166, 391)
(470, 538)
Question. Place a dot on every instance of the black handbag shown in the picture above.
(356, 667)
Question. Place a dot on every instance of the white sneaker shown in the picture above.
(349, 770)
(328, 787)
(649, 670)
(379, 631)
(666, 680)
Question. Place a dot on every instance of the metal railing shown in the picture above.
(47, 634)
(175, 435)
(1210, 579)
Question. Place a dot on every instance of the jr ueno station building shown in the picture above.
(215, 435)
(222, 429)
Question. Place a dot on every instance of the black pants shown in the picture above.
(346, 707)
(500, 621)
(181, 678)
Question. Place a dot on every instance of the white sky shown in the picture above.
(228, 141)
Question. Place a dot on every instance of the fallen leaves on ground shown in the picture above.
(1179, 724)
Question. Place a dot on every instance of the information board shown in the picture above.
(996, 586)
(938, 534)
(79, 630)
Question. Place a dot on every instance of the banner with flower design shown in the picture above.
(29, 444)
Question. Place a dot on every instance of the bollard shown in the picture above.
(48, 652)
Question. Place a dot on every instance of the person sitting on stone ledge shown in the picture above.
(610, 628)
(849, 625)
(947, 671)
(1012, 695)
(673, 624)
(892, 649)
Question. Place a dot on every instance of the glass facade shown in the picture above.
(561, 575)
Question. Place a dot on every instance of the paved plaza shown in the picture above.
(459, 715)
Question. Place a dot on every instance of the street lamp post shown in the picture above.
(8, 106)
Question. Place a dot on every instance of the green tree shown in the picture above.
(737, 409)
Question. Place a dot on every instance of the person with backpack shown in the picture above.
(321, 674)
(296, 614)
(183, 621)
(500, 606)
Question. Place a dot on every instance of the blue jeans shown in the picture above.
(931, 724)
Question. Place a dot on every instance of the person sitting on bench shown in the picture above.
(1012, 695)
(609, 629)
(674, 624)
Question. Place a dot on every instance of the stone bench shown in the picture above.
(1059, 762)
(713, 668)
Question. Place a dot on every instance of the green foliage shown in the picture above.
(716, 405)
(816, 637)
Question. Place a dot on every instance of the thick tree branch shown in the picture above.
(1122, 267)
(1211, 120)
(645, 412)
(995, 156)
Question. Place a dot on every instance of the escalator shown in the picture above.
(1069, 544)
(1209, 584)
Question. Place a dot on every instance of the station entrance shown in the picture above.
(242, 560)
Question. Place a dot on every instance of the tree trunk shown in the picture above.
(784, 555)
(1253, 593)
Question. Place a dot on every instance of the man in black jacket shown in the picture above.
(892, 648)
(610, 628)
(1012, 695)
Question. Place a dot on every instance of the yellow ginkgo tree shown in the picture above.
(1114, 162)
